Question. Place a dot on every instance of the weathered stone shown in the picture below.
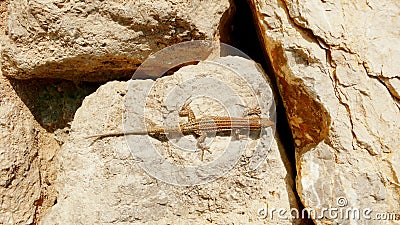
(26, 153)
(335, 65)
(102, 182)
(99, 40)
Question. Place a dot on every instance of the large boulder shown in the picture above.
(26, 166)
(104, 181)
(337, 72)
(99, 40)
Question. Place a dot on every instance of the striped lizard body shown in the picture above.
(201, 127)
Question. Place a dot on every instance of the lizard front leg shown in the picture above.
(252, 111)
(237, 135)
(248, 113)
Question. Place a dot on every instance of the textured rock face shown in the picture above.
(335, 64)
(25, 161)
(102, 182)
(336, 69)
(19, 165)
(99, 40)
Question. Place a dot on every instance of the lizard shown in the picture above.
(201, 127)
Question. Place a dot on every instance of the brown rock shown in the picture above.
(26, 155)
(99, 40)
(334, 64)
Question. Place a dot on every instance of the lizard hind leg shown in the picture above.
(202, 146)
(187, 111)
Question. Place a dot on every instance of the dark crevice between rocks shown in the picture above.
(244, 37)
(53, 102)
(240, 32)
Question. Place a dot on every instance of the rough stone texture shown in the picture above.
(19, 169)
(99, 40)
(3, 14)
(101, 182)
(19, 185)
(336, 68)
(26, 153)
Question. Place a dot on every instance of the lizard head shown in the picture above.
(266, 122)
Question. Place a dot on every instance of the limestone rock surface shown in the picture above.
(336, 69)
(26, 152)
(101, 181)
(99, 40)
